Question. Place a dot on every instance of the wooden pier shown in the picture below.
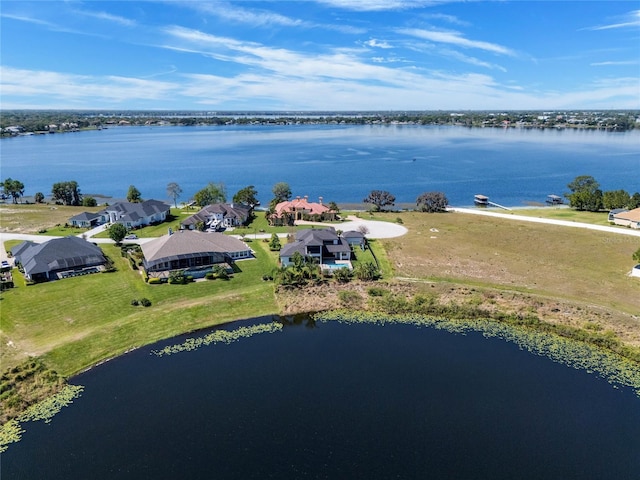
(483, 201)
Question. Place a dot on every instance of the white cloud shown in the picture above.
(108, 17)
(631, 19)
(22, 18)
(264, 18)
(72, 89)
(377, 43)
(378, 5)
(613, 63)
(455, 38)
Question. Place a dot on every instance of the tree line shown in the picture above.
(585, 194)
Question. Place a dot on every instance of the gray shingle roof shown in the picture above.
(188, 242)
(58, 254)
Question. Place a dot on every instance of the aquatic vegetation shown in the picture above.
(10, 432)
(50, 406)
(46, 409)
(219, 336)
(615, 368)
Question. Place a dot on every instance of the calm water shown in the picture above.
(338, 401)
(339, 163)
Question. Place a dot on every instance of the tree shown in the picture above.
(380, 199)
(281, 192)
(39, 197)
(174, 191)
(89, 202)
(333, 206)
(117, 232)
(613, 199)
(212, 193)
(585, 194)
(432, 202)
(634, 201)
(366, 271)
(67, 192)
(248, 196)
(14, 188)
(274, 243)
(134, 195)
(636, 255)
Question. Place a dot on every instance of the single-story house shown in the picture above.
(630, 218)
(131, 215)
(323, 245)
(218, 216)
(86, 220)
(299, 209)
(191, 248)
(58, 258)
(615, 211)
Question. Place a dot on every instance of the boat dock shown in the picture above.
(483, 201)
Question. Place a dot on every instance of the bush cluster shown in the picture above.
(145, 302)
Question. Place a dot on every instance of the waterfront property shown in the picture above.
(286, 213)
(324, 246)
(630, 218)
(614, 212)
(58, 258)
(189, 249)
(355, 239)
(131, 215)
(218, 216)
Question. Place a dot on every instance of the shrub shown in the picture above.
(154, 280)
(342, 275)
(349, 298)
(145, 302)
(135, 302)
(376, 291)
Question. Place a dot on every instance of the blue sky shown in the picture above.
(320, 55)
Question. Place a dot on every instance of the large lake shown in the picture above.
(338, 401)
(339, 163)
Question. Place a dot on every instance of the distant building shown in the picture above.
(131, 215)
(629, 218)
(285, 213)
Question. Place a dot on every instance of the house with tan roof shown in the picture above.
(628, 219)
(192, 249)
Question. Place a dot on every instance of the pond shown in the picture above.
(334, 400)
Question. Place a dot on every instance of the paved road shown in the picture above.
(548, 221)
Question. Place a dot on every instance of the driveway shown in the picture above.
(375, 228)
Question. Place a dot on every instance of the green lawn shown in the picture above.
(564, 213)
(77, 322)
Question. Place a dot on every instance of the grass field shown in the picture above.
(551, 261)
(563, 213)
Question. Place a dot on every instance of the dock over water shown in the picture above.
(483, 201)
